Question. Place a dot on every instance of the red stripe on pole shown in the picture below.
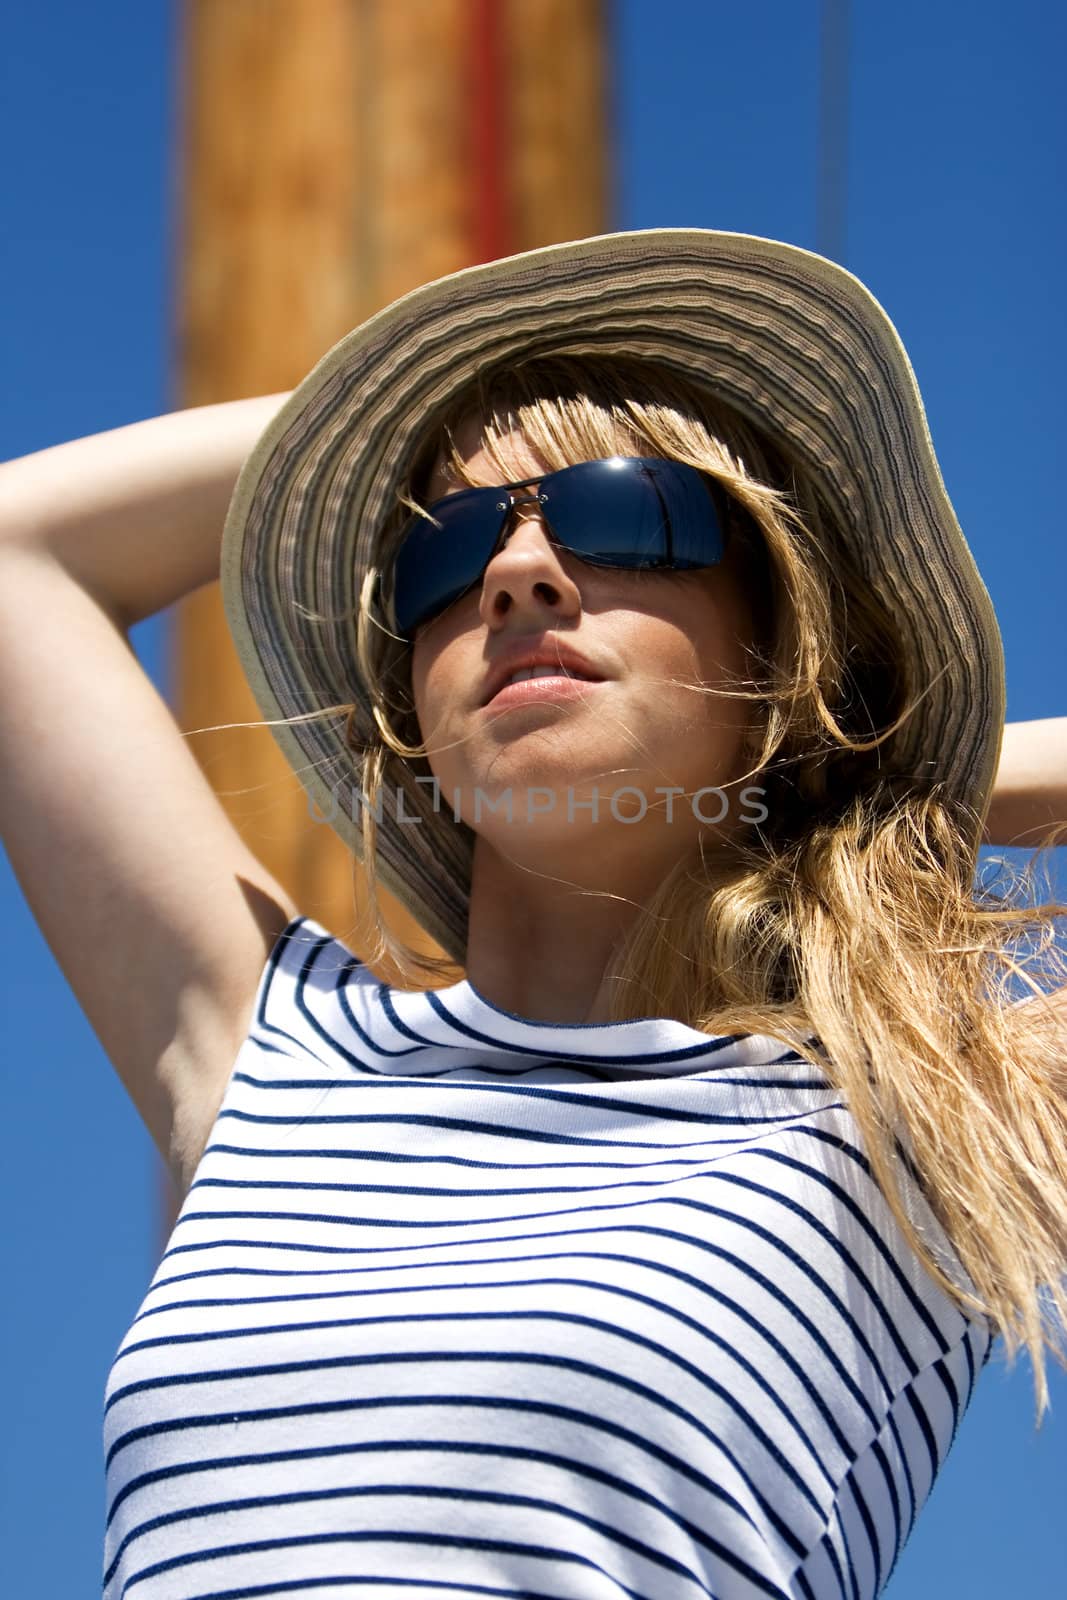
(487, 131)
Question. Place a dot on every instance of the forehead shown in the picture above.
(520, 459)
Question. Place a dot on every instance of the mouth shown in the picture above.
(540, 687)
(546, 662)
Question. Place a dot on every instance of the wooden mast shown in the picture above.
(332, 155)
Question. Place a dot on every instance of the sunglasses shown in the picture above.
(634, 512)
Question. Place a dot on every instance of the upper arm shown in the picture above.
(1055, 1007)
(159, 915)
(1057, 999)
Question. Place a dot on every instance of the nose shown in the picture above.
(524, 575)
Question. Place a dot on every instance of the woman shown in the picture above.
(661, 1254)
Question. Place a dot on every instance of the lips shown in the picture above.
(518, 659)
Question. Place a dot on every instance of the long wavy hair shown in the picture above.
(849, 924)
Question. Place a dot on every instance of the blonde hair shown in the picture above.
(852, 914)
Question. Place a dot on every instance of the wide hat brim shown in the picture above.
(790, 340)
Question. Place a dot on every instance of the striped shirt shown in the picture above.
(464, 1304)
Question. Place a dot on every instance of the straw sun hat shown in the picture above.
(788, 339)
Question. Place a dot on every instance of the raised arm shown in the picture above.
(1030, 791)
(157, 912)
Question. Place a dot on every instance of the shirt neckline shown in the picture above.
(466, 1011)
(467, 1017)
(479, 1001)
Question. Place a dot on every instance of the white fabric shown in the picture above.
(463, 1304)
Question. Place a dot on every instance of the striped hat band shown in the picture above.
(791, 341)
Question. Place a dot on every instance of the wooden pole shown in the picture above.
(334, 154)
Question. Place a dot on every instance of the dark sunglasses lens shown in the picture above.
(435, 564)
(633, 512)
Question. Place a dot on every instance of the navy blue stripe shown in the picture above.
(902, 1456)
(850, 1565)
(465, 1447)
(662, 1184)
(968, 1353)
(438, 1541)
(594, 1186)
(826, 1544)
(259, 1590)
(629, 1107)
(711, 1041)
(720, 1148)
(872, 1537)
(806, 1590)
(444, 1080)
(953, 1399)
(925, 1429)
(278, 960)
(894, 1500)
(836, 1141)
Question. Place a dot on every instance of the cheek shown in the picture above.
(429, 653)
(728, 619)
(436, 677)
(418, 680)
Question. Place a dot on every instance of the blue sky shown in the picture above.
(957, 126)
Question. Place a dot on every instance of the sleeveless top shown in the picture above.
(464, 1304)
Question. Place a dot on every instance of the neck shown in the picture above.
(542, 937)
